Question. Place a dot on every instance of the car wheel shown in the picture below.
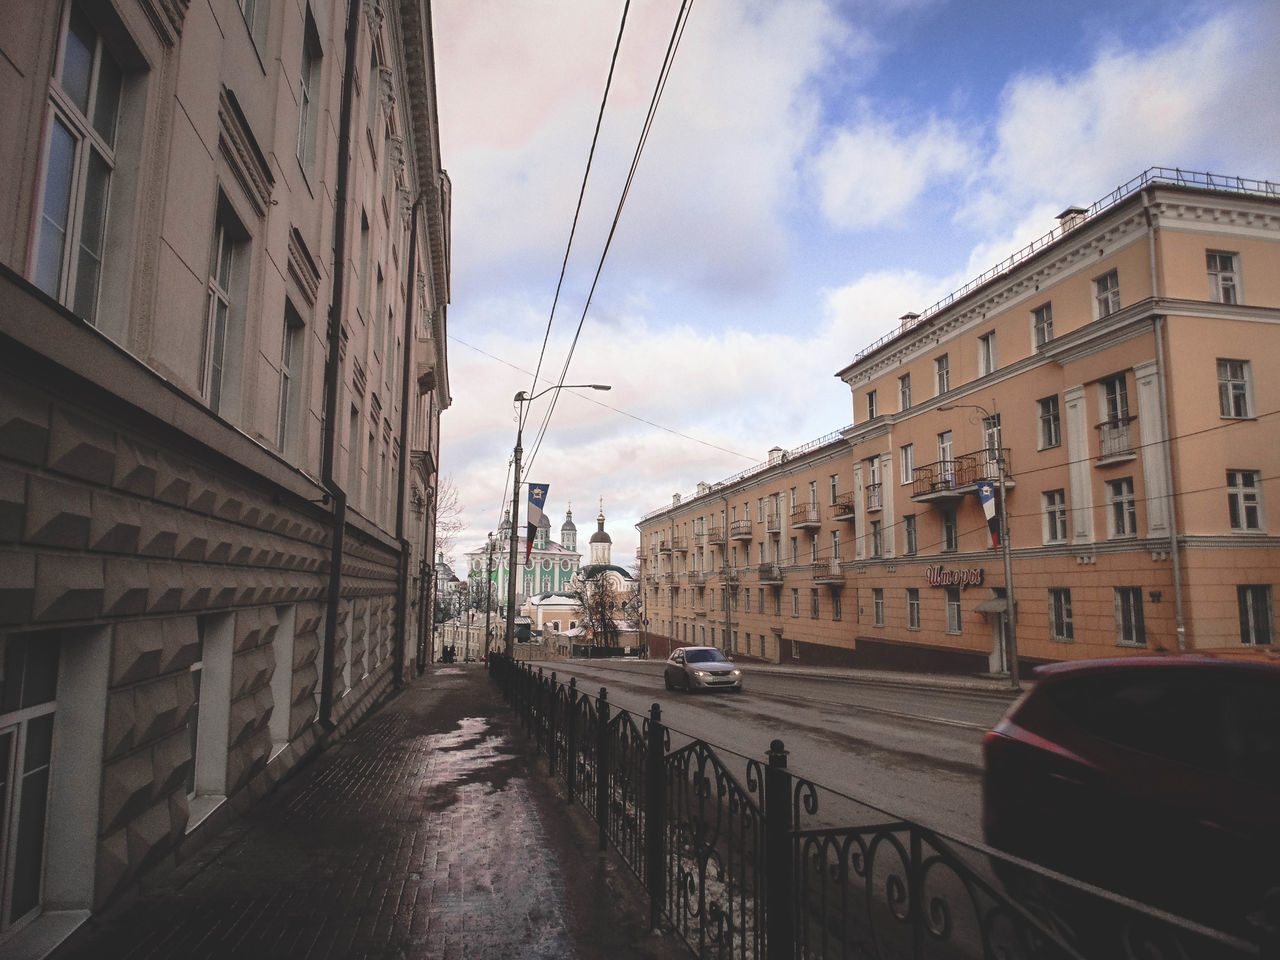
(666, 680)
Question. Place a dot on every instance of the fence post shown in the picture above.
(553, 712)
(655, 825)
(571, 739)
(779, 894)
(602, 767)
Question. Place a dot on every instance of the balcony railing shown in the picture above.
(769, 574)
(664, 545)
(715, 534)
(828, 572)
(680, 544)
(805, 516)
(873, 496)
(845, 507)
(729, 576)
(740, 530)
(773, 524)
(960, 475)
(1114, 439)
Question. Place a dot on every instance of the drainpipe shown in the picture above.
(724, 591)
(332, 373)
(1157, 324)
(402, 587)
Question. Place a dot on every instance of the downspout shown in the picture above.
(402, 587)
(728, 605)
(1157, 324)
(332, 373)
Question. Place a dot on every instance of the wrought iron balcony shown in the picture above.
(680, 544)
(873, 497)
(1114, 441)
(697, 578)
(769, 574)
(715, 535)
(952, 479)
(829, 572)
(729, 576)
(664, 545)
(773, 524)
(740, 530)
(844, 507)
(806, 517)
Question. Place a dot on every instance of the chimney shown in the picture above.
(775, 456)
(703, 487)
(1072, 217)
(907, 321)
(675, 499)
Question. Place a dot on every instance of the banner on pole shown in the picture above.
(987, 495)
(537, 497)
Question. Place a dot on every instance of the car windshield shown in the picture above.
(704, 656)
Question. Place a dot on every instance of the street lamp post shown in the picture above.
(522, 398)
(1010, 624)
(488, 594)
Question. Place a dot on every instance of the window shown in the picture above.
(871, 404)
(795, 551)
(746, 601)
(987, 354)
(1130, 630)
(760, 599)
(942, 373)
(950, 535)
(907, 461)
(777, 602)
(813, 493)
(813, 549)
(308, 90)
(209, 718)
(913, 608)
(255, 19)
(835, 488)
(1244, 499)
(1060, 627)
(877, 606)
(953, 609)
(1256, 627)
(1233, 388)
(1106, 293)
(877, 539)
(290, 381)
(836, 611)
(224, 308)
(1223, 282)
(813, 603)
(1050, 423)
(1123, 509)
(946, 459)
(795, 601)
(904, 392)
(1115, 398)
(353, 455)
(911, 544)
(1055, 516)
(28, 690)
(1042, 324)
(84, 106)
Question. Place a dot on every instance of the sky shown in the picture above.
(814, 170)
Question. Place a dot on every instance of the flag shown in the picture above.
(537, 497)
(987, 494)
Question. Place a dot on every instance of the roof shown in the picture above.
(593, 570)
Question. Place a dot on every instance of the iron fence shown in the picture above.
(744, 860)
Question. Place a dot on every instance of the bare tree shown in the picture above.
(449, 523)
(600, 605)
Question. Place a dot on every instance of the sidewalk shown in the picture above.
(428, 834)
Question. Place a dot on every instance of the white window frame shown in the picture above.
(1122, 509)
(955, 620)
(1061, 625)
(1224, 275)
(907, 461)
(1131, 628)
(1257, 617)
(308, 92)
(1050, 422)
(1106, 294)
(1244, 501)
(987, 360)
(913, 608)
(942, 373)
(292, 346)
(911, 535)
(877, 606)
(871, 405)
(1235, 389)
(904, 392)
(1055, 515)
(1042, 324)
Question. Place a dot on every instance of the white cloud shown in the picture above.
(870, 174)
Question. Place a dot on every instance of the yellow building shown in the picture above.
(1121, 373)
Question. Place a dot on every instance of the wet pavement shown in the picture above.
(429, 832)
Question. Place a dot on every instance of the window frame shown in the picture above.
(1122, 509)
(1224, 282)
(877, 606)
(1235, 389)
(1050, 422)
(904, 392)
(942, 373)
(1106, 294)
(1061, 623)
(1042, 325)
(913, 608)
(1257, 614)
(1130, 620)
(987, 360)
(1054, 504)
(1243, 499)
(954, 614)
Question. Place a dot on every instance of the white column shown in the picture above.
(1152, 435)
(1080, 466)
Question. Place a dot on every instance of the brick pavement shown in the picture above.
(428, 833)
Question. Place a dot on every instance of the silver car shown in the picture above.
(701, 668)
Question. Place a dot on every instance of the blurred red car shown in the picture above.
(1154, 777)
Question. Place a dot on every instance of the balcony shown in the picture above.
(668, 578)
(953, 479)
(697, 578)
(769, 574)
(828, 573)
(728, 576)
(843, 508)
(874, 503)
(715, 535)
(680, 544)
(806, 517)
(740, 530)
(773, 524)
(1115, 445)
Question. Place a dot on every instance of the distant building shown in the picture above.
(550, 567)
(1125, 373)
(222, 368)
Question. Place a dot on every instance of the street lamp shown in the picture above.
(520, 399)
(1010, 628)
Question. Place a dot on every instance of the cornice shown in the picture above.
(240, 148)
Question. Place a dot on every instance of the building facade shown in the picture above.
(223, 283)
(550, 567)
(1116, 374)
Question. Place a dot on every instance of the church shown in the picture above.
(550, 568)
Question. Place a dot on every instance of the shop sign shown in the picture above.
(942, 577)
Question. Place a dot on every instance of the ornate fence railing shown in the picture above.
(747, 861)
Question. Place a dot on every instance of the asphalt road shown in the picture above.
(907, 752)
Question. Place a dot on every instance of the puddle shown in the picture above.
(469, 758)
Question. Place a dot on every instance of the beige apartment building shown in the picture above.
(1122, 373)
(224, 275)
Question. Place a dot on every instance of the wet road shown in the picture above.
(911, 753)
